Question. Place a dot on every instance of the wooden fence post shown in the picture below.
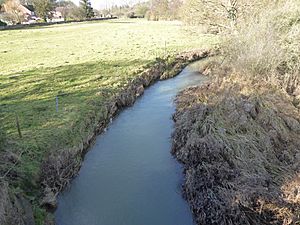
(18, 126)
(56, 103)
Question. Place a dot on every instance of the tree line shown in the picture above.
(152, 10)
(216, 14)
(45, 10)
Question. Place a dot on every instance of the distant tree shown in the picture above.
(1, 4)
(131, 15)
(76, 13)
(141, 9)
(43, 8)
(68, 10)
(13, 14)
(121, 11)
(216, 13)
(164, 9)
(175, 9)
(220, 14)
(159, 9)
(102, 12)
(87, 9)
(26, 2)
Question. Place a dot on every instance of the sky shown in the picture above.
(102, 4)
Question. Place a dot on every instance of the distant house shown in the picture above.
(27, 10)
(109, 15)
(30, 15)
(56, 15)
(19, 13)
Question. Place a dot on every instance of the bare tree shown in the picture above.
(174, 8)
(220, 14)
(1, 4)
(164, 9)
(13, 12)
(43, 8)
(158, 9)
(67, 9)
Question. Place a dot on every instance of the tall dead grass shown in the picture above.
(239, 143)
(267, 45)
(238, 137)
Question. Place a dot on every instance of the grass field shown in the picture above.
(82, 63)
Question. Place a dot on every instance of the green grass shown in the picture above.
(85, 64)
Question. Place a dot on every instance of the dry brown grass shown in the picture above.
(239, 137)
(267, 46)
(239, 142)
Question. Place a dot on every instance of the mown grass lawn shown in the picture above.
(82, 63)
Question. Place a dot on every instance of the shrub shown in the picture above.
(2, 24)
(267, 45)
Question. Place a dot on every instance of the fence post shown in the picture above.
(56, 103)
(18, 126)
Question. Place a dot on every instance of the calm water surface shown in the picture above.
(129, 176)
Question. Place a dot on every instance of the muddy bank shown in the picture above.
(62, 165)
(239, 142)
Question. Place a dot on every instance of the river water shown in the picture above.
(129, 176)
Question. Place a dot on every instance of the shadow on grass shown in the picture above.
(49, 82)
(82, 90)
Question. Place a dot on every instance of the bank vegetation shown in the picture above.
(239, 136)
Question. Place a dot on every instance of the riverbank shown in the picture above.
(52, 98)
(238, 140)
(59, 167)
(126, 170)
(239, 136)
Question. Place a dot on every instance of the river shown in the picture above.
(129, 176)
